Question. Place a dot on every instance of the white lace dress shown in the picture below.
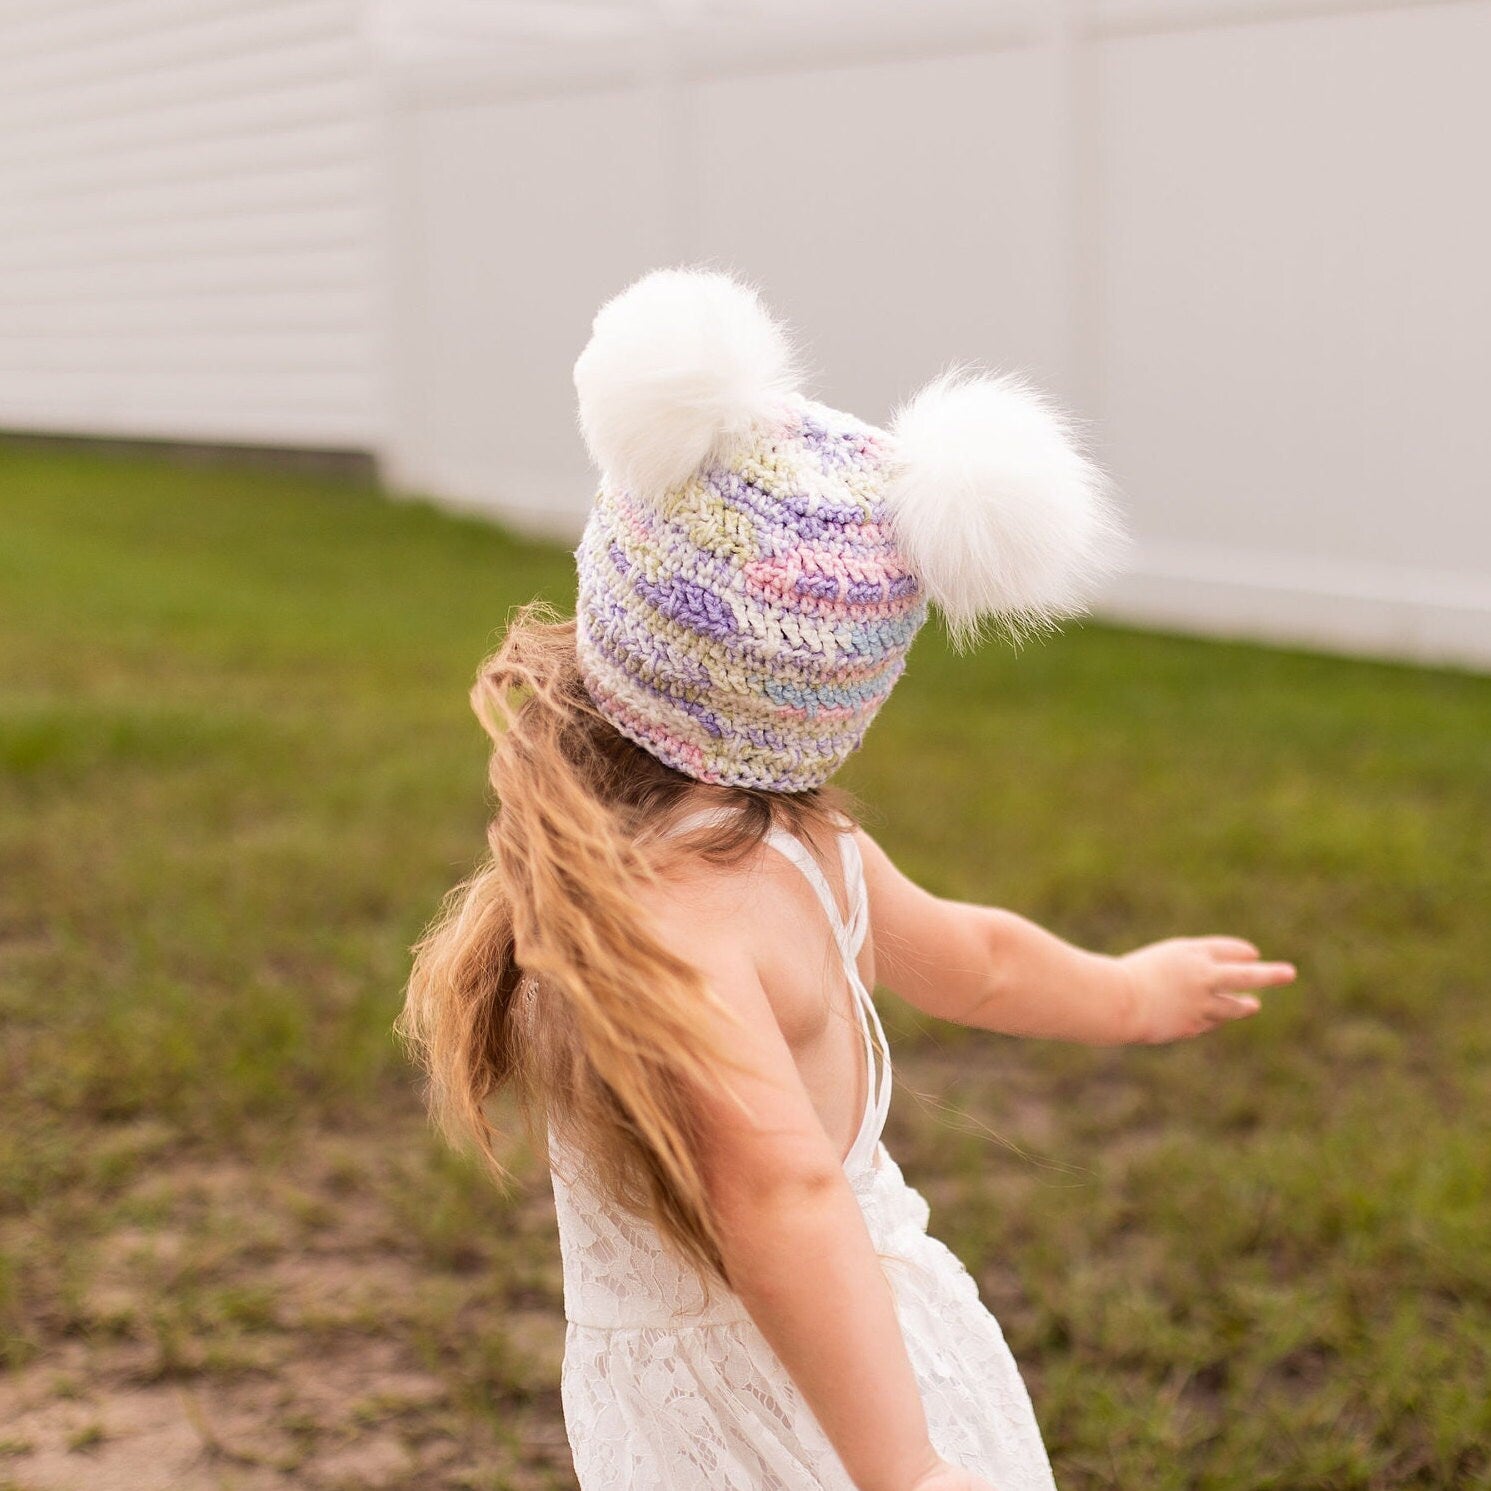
(664, 1390)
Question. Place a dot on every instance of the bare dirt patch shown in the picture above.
(285, 1325)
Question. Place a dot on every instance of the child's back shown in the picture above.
(667, 1384)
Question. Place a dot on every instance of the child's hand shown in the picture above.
(1185, 986)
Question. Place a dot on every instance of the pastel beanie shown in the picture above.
(756, 565)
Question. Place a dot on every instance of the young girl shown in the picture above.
(670, 951)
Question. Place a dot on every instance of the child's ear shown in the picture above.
(996, 508)
(677, 363)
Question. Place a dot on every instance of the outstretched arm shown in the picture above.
(982, 966)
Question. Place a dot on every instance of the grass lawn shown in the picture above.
(237, 772)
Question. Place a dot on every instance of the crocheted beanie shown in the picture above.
(756, 565)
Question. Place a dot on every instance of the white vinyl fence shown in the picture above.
(1246, 241)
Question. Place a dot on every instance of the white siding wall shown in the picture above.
(1246, 239)
(186, 221)
(1293, 319)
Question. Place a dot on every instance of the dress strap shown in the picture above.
(854, 888)
(849, 935)
(797, 852)
(696, 819)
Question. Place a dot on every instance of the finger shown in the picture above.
(1234, 949)
(1254, 975)
(1234, 1007)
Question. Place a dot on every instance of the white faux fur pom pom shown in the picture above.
(998, 512)
(677, 363)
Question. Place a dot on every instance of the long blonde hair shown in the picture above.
(539, 974)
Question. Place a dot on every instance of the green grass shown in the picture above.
(236, 773)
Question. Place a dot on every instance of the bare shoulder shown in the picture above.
(888, 887)
(919, 937)
(706, 910)
(755, 918)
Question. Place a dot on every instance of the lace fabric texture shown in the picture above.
(669, 1387)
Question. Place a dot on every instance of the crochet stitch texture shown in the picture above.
(746, 628)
